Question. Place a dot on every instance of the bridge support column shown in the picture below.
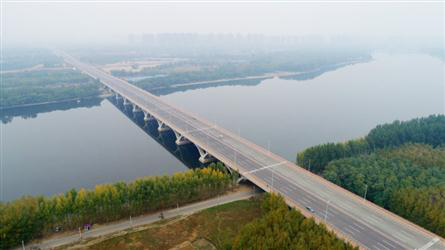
(180, 139)
(117, 96)
(230, 170)
(148, 117)
(162, 127)
(204, 157)
(242, 178)
(136, 108)
(126, 102)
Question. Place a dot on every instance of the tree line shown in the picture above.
(428, 130)
(412, 186)
(283, 228)
(423, 206)
(46, 86)
(20, 58)
(399, 166)
(29, 217)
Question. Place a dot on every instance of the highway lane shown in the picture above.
(342, 221)
(352, 217)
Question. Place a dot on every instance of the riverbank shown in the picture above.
(35, 217)
(208, 83)
(104, 232)
(308, 74)
(55, 102)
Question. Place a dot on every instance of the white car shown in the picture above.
(310, 209)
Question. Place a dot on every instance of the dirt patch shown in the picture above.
(210, 229)
(203, 244)
(138, 65)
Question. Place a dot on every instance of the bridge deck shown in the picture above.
(353, 218)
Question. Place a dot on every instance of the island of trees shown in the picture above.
(399, 166)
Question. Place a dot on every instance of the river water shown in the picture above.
(51, 149)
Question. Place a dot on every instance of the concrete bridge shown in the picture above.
(352, 218)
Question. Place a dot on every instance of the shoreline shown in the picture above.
(216, 81)
(264, 76)
(54, 102)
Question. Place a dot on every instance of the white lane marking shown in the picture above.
(429, 244)
(345, 211)
(405, 234)
(258, 169)
(370, 218)
(376, 218)
(305, 200)
(199, 129)
(311, 198)
(359, 226)
(380, 244)
(353, 228)
(287, 189)
(389, 243)
(348, 231)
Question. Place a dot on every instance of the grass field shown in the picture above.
(213, 228)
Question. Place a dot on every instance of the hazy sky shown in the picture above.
(41, 23)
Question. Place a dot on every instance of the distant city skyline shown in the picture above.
(46, 24)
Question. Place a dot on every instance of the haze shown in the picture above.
(46, 24)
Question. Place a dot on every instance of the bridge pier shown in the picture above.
(148, 117)
(108, 90)
(136, 108)
(242, 178)
(180, 139)
(117, 96)
(126, 102)
(162, 127)
(204, 157)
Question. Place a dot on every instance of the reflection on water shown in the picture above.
(188, 154)
(81, 147)
(170, 90)
(251, 82)
(7, 115)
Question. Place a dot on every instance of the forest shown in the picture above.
(30, 87)
(283, 228)
(30, 218)
(428, 130)
(13, 59)
(399, 166)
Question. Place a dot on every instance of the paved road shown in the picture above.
(143, 220)
(354, 219)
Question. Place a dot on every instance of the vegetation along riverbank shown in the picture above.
(399, 166)
(30, 218)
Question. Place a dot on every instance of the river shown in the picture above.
(56, 148)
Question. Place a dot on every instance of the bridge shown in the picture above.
(351, 217)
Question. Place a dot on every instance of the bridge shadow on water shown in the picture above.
(7, 115)
(188, 154)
